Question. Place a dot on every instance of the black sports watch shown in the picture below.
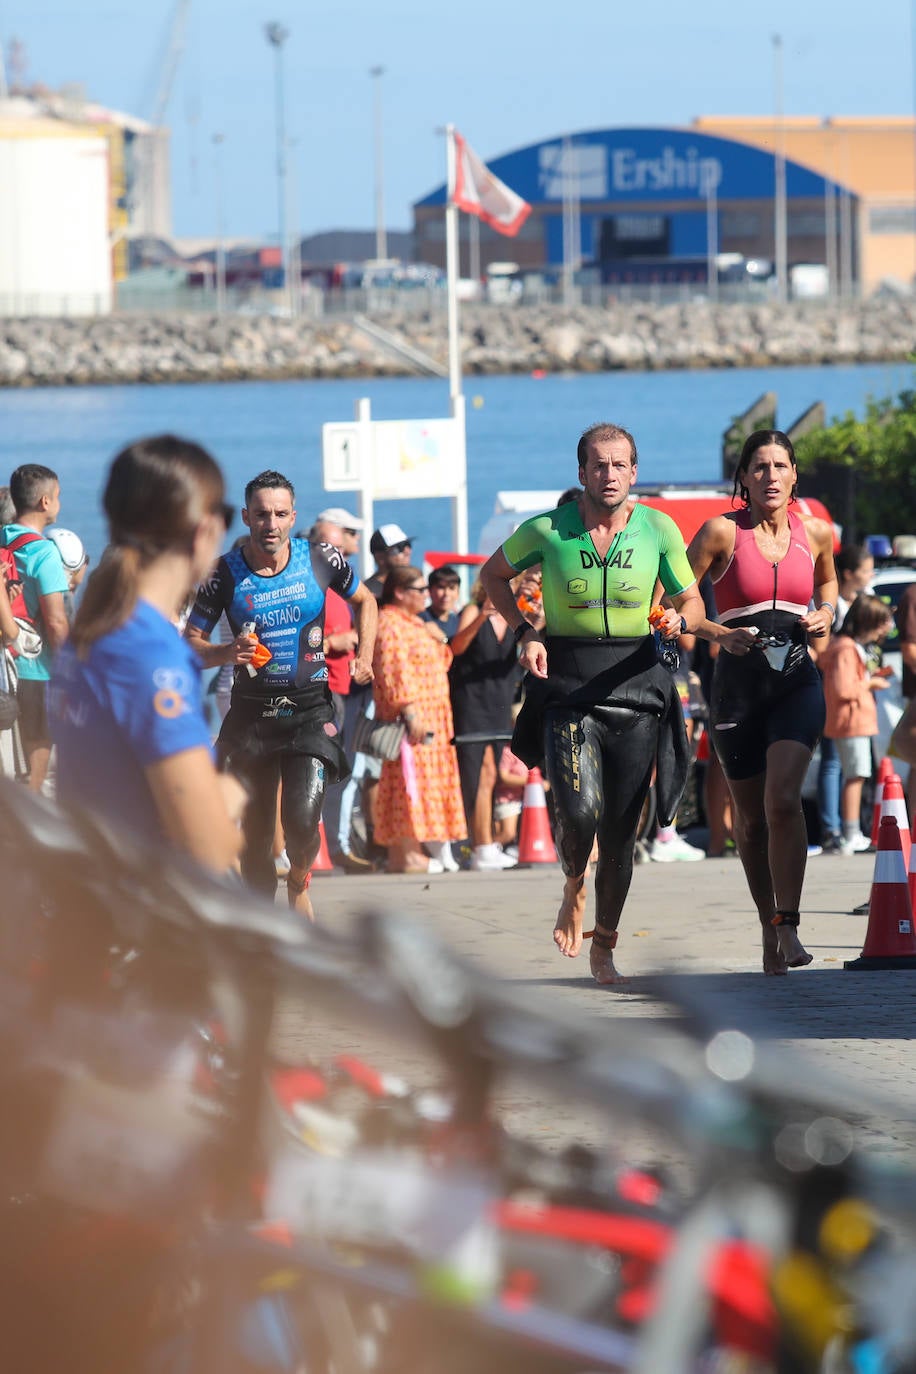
(520, 630)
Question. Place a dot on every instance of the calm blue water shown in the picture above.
(521, 434)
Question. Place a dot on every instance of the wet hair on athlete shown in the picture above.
(761, 438)
(269, 481)
(7, 509)
(598, 434)
(866, 615)
(399, 578)
(445, 576)
(28, 484)
(158, 491)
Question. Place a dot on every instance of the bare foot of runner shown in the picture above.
(567, 933)
(297, 893)
(601, 959)
(791, 948)
(774, 965)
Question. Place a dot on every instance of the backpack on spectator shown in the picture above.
(29, 642)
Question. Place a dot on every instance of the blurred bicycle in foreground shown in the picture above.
(231, 1143)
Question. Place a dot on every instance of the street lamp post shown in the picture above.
(780, 225)
(220, 230)
(709, 189)
(276, 36)
(381, 236)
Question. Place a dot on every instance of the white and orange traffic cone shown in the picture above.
(893, 803)
(885, 769)
(322, 863)
(890, 941)
(535, 841)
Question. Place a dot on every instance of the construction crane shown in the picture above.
(174, 47)
(177, 33)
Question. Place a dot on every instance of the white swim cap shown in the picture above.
(69, 546)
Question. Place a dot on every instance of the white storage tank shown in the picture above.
(55, 253)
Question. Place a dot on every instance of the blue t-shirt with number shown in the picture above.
(134, 700)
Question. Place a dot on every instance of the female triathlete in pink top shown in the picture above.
(768, 566)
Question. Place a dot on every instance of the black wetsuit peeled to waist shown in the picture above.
(602, 721)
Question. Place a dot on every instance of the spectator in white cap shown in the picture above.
(390, 547)
(350, 526)
(74, 558)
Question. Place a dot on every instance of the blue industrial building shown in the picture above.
(646, 205)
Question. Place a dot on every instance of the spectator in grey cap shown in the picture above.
(350, 526)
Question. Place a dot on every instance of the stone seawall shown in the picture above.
(189, 348)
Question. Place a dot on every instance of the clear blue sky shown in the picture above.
(507, 73)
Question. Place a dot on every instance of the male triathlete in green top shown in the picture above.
(599, 709)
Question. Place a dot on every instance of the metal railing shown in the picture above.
(315, 303)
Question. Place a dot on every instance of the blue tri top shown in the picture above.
(133, 701)
(287, 609)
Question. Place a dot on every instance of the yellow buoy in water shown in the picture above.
(477, 402)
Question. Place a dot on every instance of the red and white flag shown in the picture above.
(480, 193)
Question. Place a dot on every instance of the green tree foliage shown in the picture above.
(865, 469)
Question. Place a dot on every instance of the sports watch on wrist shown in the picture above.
(520, 630)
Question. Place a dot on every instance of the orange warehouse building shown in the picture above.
(872, 159)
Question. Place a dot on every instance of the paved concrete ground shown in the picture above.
(695, 922)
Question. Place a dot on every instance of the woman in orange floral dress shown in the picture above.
(421, 803)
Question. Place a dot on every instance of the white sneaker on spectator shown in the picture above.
(281, 863)
(490, 858)
(434, 866)
(443, 854)
(855, 844)
(675, 850)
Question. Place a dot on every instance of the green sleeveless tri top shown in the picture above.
(591, 597)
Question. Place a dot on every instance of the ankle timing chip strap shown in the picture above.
(604, 939)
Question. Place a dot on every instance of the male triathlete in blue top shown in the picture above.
(599, 708)
(279, 724)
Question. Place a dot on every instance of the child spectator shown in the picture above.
(511, 776)
(852, 716)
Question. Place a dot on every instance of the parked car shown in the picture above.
(889, 583)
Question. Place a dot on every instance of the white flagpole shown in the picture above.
(460, 499)
(451, 266)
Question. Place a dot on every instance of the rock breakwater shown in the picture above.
(494, 339)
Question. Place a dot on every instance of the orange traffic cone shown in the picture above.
(885, 769)
(322, 862)
(889, 941)
(535, 842)
(894, 804)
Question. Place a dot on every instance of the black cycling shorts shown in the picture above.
(753, 707)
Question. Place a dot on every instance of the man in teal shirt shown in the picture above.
(600, 709)
(35, 493)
